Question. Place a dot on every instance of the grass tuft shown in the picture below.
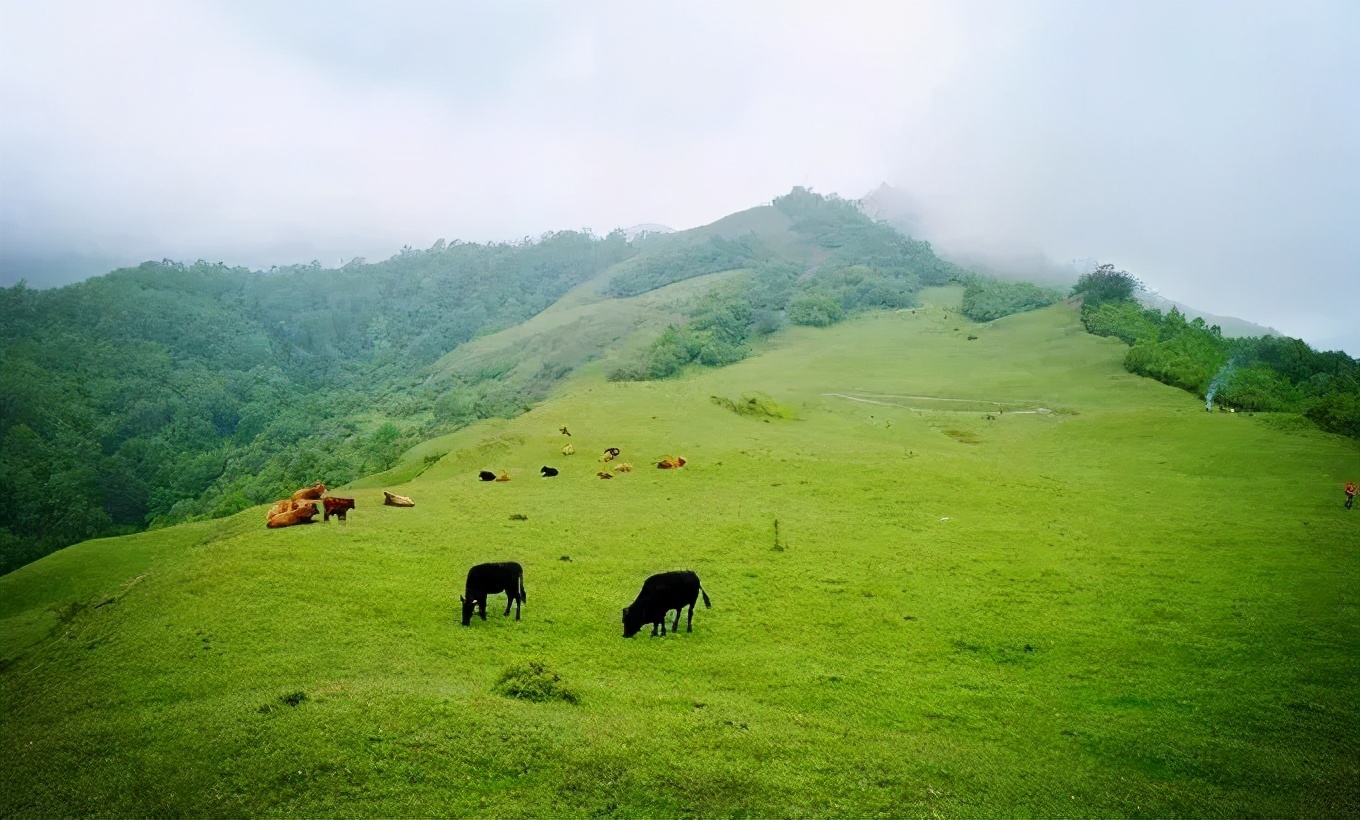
(535, 682)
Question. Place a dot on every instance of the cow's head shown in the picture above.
(631, 623)
(468, 607)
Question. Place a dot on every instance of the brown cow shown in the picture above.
(393, 500)
(311, 493)
(336, 506)
(669, 463)
(283, 506)
(603, 474)
(504, 476)
(302, 514)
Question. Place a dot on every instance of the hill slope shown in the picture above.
(1123, 605)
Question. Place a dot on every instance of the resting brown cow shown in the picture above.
(280, 507)
(310, 493)
(301, 514)
(669, 463)
(392, 500)
(336, 506)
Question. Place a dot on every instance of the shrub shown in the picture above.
(815, 308)
(988, 299)
(1125, 320)
(1105, 284)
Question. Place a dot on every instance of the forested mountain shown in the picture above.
(170, 391)
(173, 392)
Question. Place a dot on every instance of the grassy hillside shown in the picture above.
(1010, 578)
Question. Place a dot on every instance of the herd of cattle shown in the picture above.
(301, 508)
(660, 593)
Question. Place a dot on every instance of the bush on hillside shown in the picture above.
(988, 299)
(818, 308)
(754, 404)
(1105, 284)
(1125, 320)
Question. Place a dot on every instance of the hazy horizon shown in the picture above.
(1211, 150)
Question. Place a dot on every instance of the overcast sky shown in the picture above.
(1211, 149)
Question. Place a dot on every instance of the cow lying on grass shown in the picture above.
(660, 594)
(336, 507)
(311, 493)
(548, 472)
(669, 463)
(568, 450)
(301, 514)
(393, 500)
(283, 506)
(487, 475)
(492, 579)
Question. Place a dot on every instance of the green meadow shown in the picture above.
(1007, 578)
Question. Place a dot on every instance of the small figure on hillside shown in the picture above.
(564, 430)
(1350, 494)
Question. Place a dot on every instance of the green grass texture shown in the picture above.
(1008, 578)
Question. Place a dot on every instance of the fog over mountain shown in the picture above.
(1211, 150)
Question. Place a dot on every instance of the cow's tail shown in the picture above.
(707, 603)
(523, 599)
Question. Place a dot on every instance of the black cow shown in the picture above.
(493, 579)
(660, 594)
(548, 472)
(487, 475)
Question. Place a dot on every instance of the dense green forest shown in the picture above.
(170, 392)
(1261, 373)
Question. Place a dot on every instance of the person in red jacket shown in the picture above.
(1350, 494)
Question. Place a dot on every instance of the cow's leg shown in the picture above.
(675, 627)
(509, 599)
(481, 608)
(689, 624)
(517, 603)
(325, 516)
(654, 625)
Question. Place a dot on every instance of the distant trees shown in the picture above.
(987, 299)
(859, 265)
(1105, 284)
(1265, 373)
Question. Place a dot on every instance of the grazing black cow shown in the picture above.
(492, 579)
(548, 472)
(487, 475)
(660, 594)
